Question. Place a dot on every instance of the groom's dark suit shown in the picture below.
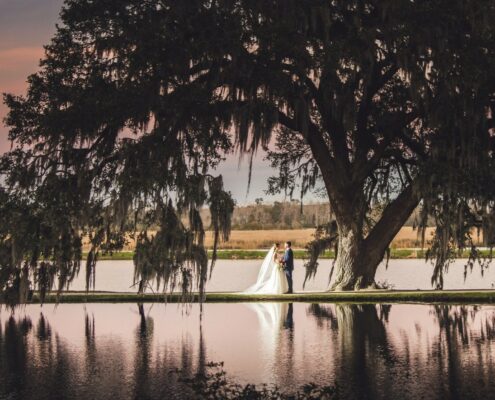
(289, 266)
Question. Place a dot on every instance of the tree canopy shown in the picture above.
(387, 103)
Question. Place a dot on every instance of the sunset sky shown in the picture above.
(26, 25)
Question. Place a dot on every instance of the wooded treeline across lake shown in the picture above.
(285, 215)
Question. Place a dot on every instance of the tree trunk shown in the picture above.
(358, 258)
(352, 273)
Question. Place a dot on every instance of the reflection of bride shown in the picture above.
(275, 353)
(271, 316)
(271, 277)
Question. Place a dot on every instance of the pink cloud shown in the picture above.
(16, 65)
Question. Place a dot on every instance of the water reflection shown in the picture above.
(276, 333)
(152, 377)
(457, 343)
(374, 364)
(363, 349)
(273, 316)
(31, 358)
(370, 351)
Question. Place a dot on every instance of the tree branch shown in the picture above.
(392, 219)
(333, 127)
(364, 139)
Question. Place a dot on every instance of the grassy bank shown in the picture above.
(375, 296)
(298, 254)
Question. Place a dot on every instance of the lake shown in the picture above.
(126, 351)
(233, 276)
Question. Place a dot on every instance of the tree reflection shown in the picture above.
(152, 376)
(150, 368)
(33, 360)
(460, 329)
(360, 343)
(91, 354)
(43, 329)
(376, 362)
(455, 321)
(143, 356)
(14, 354)
(359, 326)
(373, 352)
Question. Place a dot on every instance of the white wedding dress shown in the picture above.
(271, 277)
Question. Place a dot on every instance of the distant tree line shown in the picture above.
(281, 215)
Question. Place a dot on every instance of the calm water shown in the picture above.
(238, 275)
(114, 351)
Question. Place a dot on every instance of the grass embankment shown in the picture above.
(298, 254)
(375, 296)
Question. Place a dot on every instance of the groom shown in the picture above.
(288, 261)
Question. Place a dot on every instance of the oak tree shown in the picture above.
(388, 103)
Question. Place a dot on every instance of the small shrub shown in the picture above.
(213, 383)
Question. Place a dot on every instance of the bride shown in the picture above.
(271, 277)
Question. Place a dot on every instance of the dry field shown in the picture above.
(263, 239)
(406, 238)
(260, 239)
